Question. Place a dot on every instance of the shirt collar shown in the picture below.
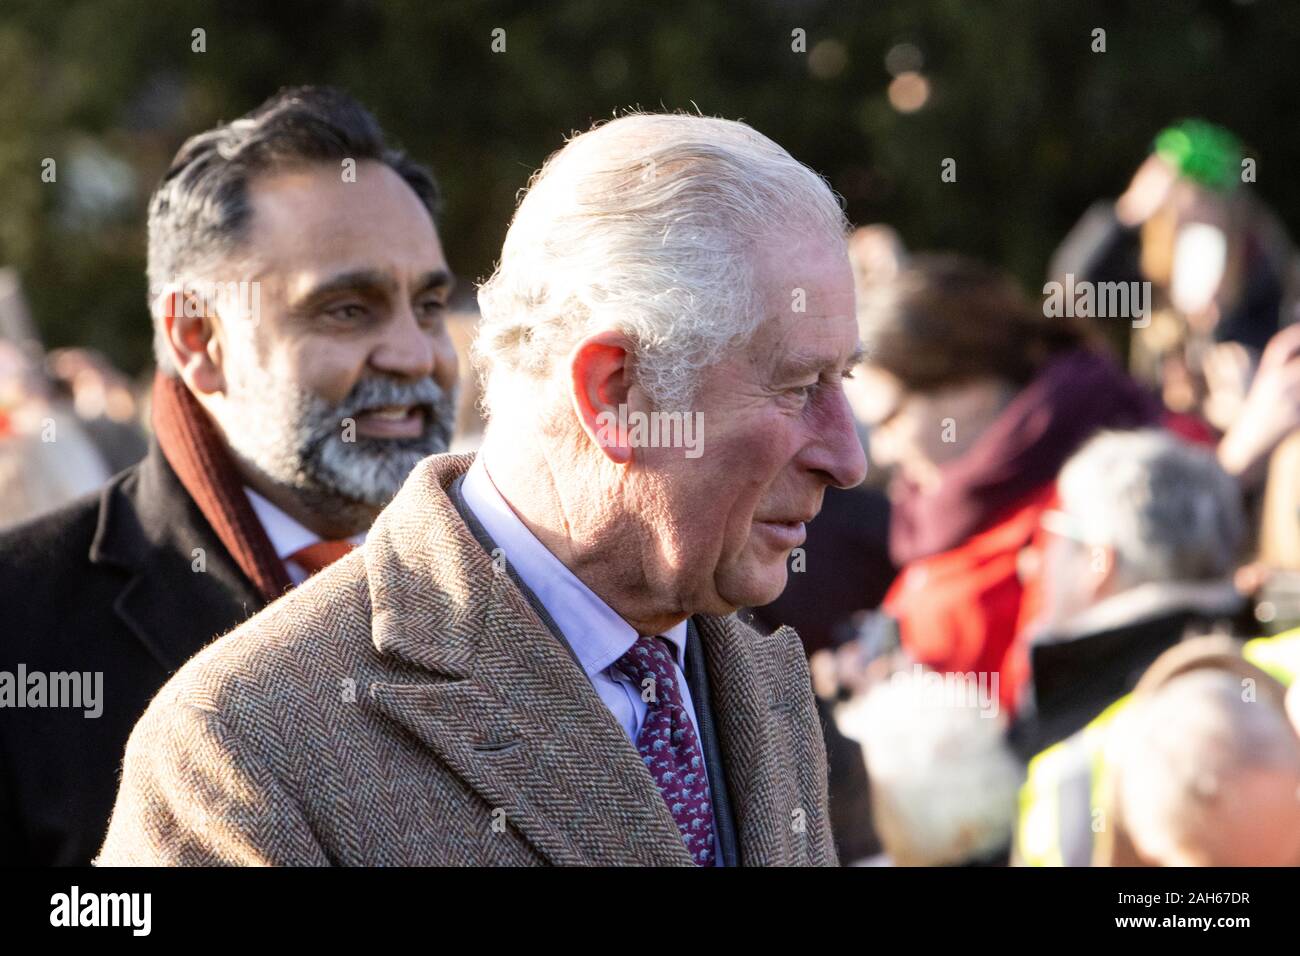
(287, 536)
(598, 636)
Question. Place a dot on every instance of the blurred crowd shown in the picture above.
(68, 420)
(1054, 624)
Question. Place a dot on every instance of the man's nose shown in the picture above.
(837, 451)
(405, 350)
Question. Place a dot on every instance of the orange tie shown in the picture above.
(320, 555)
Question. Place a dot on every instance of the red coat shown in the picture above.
(960, 610)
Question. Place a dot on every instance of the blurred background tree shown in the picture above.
(881, 94)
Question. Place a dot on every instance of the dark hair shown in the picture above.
(946, 319)
(201, 209)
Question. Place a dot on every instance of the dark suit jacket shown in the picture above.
(106, 584)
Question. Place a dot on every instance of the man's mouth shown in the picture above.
(391, 421)
(783, 533)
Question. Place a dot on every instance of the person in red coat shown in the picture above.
(976, 399)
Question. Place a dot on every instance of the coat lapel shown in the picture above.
(495, 695)
(753, 697)
(182, 588)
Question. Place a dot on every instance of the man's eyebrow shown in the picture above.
(358, 280)
(436, 280)
(374, 281)
(801, 365)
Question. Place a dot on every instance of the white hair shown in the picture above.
(943, 780)
(1167, 508)
(646, 225)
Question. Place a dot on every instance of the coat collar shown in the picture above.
(512, 713)
(1112, 643)
(182, 588)
(1152, 600)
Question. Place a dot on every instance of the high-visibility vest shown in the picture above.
(1061, 805)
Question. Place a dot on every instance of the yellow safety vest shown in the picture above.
(1061, 798)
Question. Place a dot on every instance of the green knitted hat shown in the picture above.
(1206, 154)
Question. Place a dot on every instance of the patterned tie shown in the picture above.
(669, 746)
(320, 555)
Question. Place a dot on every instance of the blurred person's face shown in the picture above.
(345, 379)
(1075, 574)
(1200, 258)
(1195, 250)
(1254, 821)
(714, 531)
(877, 253)
(921, 432)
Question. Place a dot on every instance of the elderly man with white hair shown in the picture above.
(1140, 551)
(534, 658)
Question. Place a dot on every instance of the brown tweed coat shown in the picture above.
(407, 706)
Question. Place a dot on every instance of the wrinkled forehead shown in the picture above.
(800, 254)
(804, 287)
(801, 275)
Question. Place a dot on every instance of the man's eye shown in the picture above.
(350, 312)
(433, 307)
(803, 392)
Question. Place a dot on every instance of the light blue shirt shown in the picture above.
(596, 634)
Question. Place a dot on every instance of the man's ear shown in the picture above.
(600, 385)
(191, 337)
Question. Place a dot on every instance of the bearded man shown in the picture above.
(299, 292)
